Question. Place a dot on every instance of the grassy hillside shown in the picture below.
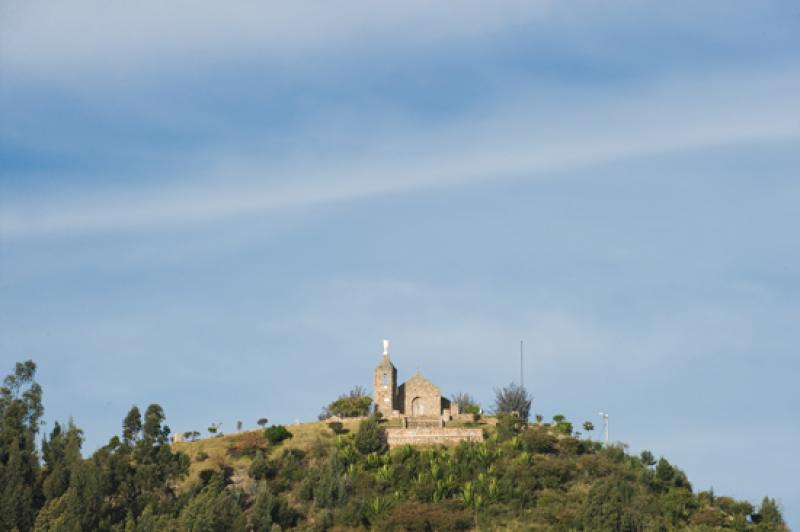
(304, 435)
(536, 477)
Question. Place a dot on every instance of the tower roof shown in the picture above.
(385, 362)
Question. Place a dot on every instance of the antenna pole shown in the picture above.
(521, 374)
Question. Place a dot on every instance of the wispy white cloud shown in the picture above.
(98, 42)
(42, 39)
(524, 138)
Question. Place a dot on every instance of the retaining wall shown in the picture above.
(431, 436)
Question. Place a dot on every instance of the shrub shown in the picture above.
(277, 433)
(508, 426)
(709, 516)
(261, 468)
(370, 438)
(248, 444)
(564, 427)
(337, 427)
(446, 515)
(202, 456)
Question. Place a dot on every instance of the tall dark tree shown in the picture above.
(132, 425)
(62, 458)
(513, 398)
(154, 432)
(20, 412)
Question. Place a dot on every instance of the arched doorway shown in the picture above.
(417, 409)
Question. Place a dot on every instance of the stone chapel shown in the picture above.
(416, 398)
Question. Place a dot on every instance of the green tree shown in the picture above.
(647, 458)
(20, 411)
(355, 403)
(561, 424)
(664, 471)
(513, 398)
(132, 425)
(612, 505)
(62, 457)
(277, 433)
(588, 426)
(213, 509)
(262, 422)
(191, 435)
(370, 437)
(769, 516)
(467, 403)
(330, 489)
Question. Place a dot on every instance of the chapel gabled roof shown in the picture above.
(418, 379)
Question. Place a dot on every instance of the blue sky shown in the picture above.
(224, 209)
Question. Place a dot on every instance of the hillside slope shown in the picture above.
(521, 478)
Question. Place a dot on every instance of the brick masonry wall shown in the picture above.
(431, 436)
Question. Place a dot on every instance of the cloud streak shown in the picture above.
(523, 139)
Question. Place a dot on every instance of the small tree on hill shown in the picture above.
(355, 403)
(588, 426)
(277, 433)
(191, 435)
(262, 422)
(467, 403)
(561, 424)
(647, 458)
(369, 438)
(513, 398)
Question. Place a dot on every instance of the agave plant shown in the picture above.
(383, 473)
(468, 493)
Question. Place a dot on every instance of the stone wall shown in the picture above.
(431, 436)
(421, 397)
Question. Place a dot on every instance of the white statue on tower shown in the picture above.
(385, 347)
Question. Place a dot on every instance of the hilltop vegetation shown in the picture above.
(315, 476)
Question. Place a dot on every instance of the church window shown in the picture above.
(385, 378)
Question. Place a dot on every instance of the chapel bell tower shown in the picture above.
(385, 384)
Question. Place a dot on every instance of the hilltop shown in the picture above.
(341, 476)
